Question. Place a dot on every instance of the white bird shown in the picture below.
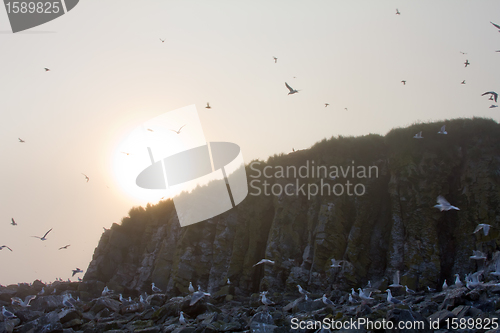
(484, 226)
(492, 93)
(191, 288)
(43, 238)
(326, 301)
(24, 303)
(458, 283)
(392, 299)
(264, 261)
(182, 320)
(335, 263)
(179, 131)
(418, 135)
(121, 298)
(353, 293)
(431, 290)
(228, 282)
(292, 91)
(363, 295)
(472, 280)
(155, 289)
(408, 290)
(76, 271)
(302, 291)
(42, 291)
(264, 300)
(445, 285)
(477, 255)
(197, 296)
(443, 204)
(7, 314)
(106, 291)
(141, 299)
(6, 247)
(66, 302)
(443, 130)
(351, 300)
(395, 280)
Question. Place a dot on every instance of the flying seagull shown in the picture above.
(5, 246)
(463, 52)
(292, 91)
(463, 82)
(208, 106)
(335, 263)
(76, 271)
(397, 12)
(418, 135)
(484, 226)
(13, 222)
(496, 26)
(443, 130)
(275, 59)
(21, 140)
(443, 204)
(477, 255)
(492, 93)
(162, 40)
(264, 261)
(346, 109)
(467, 63)
(65, 247)
(86, 177)
(492, 106)
(43, 238)
(179, 131)
(47, 69)
(149, 129)
(125, 153)
(395, 280)
(404, 82)
(24, 303)
(326, 104)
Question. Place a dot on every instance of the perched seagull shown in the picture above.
(445, 285)
(7, 314)
(326, 105)
(42, 291)
(496, 26)
(208, 106)
(431, 290)
(302, 291)
(86, 177)
(391, 299)
(106, 291)
(353, 293)
(477, 255)
(76, 271)
(228, 282)
(418, 135)
(121, 298)
(162, 40)
(326, 301)
(65, 247)
(275, 59)
(493, 106)
(458, 283)
(47, 69)
(493, 94)
(21, 140)
(13, 222)
(182, 320)
(155, 289)
(264, 261)
(397, 12)
(191, 288)
(463, 82)
(467, 63)
(363, 295)
(484, 226)
(443, 130)
(292, 91)
(43, 238)
(179, 131)
(351, 300)
(24, 303)
(404, 82)
(66, 302)
(443, 204)
(395, 280)
(335, 263)
(264, 300)
(408, 290)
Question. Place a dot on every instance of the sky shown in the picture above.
(110, 73)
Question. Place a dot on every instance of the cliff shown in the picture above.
(391, 225)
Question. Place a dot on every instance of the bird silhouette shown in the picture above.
(13, 222)
(467, 63)
(76, 271)
(43, 238)
(493, 95)
(496, 26)
(326, 104)
(397, 12)
(179, 131)
(275, 59)
(463, 82)
(21, 140)
(162, 40)
(5, 246)
(86, 177)
(208, 106)
(65, 247)
(47, 69)
(292, 91)
(404, 82)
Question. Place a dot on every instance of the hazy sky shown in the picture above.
(109, 73)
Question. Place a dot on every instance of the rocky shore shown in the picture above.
(80, 307)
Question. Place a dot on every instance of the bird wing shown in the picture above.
(289, 88)
(47, 233)
(496, 25)
(7, 247)
(443, 128)
(479, 227)
(442, 201)
(182, 127)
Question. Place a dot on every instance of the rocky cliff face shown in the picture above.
(391, 226)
